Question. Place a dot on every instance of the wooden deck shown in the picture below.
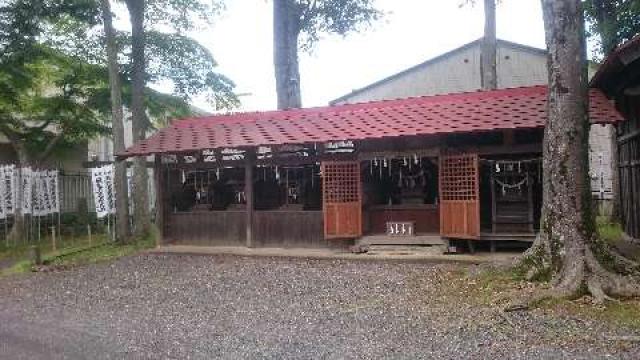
(436, 239)
(421, 239)
(524, 237)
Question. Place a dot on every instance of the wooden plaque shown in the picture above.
(401, 228)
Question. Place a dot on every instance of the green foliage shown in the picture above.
(611, 23)
(47, 103)
(42, 93)
(189, 66)
(333, 17)
(182, 15)
(172, 56)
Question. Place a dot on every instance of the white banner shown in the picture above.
(39, 190)
(26, 186)
(8, 189)
(102, 185)
(54, 189)
(3, 189)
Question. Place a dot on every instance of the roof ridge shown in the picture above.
(250, 115)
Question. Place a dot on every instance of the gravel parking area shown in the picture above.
(203, 307)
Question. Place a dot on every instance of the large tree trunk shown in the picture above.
(120, 176)
(141, 221)
(488, 71)
(286, 30)
(567, 249)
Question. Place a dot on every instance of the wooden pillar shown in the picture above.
(160, 204)
(530, 202)
(249, 161)
(494, 211)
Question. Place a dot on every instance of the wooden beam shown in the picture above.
(515, 149)
(493, 199)
(248, 194)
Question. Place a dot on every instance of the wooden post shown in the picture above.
(89, 233)
(248, 193)
(53, 238)
(493, 198)
(36, 256)
(160, 208)
(530, 203)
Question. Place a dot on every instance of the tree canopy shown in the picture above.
(172, 56)
(341, 17)
(610, 23)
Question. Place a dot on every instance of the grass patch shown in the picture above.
(493, 287)
(77, 253)
(609, 231)
(103, 252)
(625, 313)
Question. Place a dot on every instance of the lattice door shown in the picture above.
(342, 199)
(459, 196)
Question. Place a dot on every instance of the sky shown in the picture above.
(411, 32)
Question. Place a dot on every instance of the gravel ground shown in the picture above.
(203, 307)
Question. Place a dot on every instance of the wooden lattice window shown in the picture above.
(342, 206)
(458, 177)
(459, 196)
(341, 182)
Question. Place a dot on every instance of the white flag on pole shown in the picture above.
(27, 190)
(54, 196)
(102, 183)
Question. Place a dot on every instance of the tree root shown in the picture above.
(623, 264)
(589, 275)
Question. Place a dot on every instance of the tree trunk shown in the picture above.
(488, 72)
(286, 29)
(17, 233)
(141, 221)
(120, 176)
(567, 249)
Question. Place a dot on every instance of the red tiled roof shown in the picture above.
(455, 113)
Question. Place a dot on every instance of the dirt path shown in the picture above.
(171, 306)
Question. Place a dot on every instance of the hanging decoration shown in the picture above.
(506, 186)
(514, 174)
